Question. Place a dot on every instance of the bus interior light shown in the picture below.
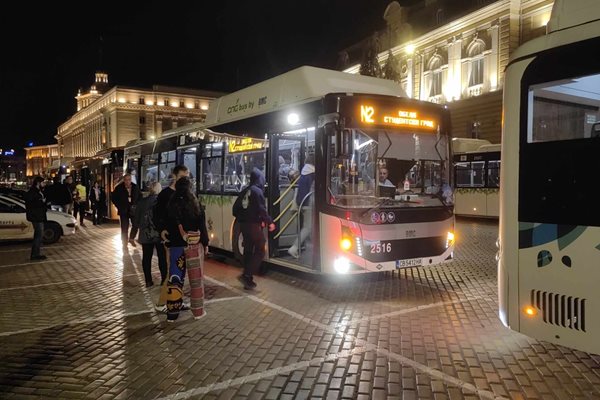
(293, 119)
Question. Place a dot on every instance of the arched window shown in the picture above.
(435, 66)
(475, 53)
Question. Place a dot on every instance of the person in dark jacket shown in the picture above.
(125, 197)
(98, 201)
(256, 218)
(35, 208)
(58, 195)
(149, 236)
(68, 182)
(185, 219)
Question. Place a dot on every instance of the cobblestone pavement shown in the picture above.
(81, 325)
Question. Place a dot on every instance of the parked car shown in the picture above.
(14, 224)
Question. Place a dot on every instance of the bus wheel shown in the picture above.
(237, 242)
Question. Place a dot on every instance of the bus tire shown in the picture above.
(52, 233)
(237, 241)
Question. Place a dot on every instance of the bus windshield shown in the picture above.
(390, 168)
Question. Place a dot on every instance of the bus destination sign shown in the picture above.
(245, 144)
(371, 115)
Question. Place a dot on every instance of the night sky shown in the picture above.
(47, 54)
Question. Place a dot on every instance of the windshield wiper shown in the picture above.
(384, 201)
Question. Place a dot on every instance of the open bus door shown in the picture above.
(286, 156)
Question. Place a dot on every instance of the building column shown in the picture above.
(409, 77)
(454, 80)
(493, 73)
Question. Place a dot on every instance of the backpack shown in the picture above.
(241, 205)
(150, 230)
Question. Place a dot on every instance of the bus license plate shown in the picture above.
(411, 262)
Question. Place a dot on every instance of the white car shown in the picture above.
(14, 224)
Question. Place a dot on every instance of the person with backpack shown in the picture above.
(251, 214)
(149, 236)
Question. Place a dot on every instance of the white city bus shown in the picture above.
(353, 125)
(549, 246)
(476, 178)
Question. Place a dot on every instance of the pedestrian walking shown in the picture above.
(251, 214)
(98, 203)
(149, 236)
(35, 209)
(187, 242)
(68, 182)
(80, 203)
(125, 198)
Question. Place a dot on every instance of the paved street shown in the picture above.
(81, 325)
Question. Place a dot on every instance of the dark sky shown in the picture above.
(49, 52)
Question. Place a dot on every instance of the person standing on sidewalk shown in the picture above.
(68, 182)
(186, 232)
(161, 216)
(125, 197)
(98, 203)
(35, 208)
(251, 213)
(80, 200)
(149, 236)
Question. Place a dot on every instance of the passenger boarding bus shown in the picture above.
(549, 247)
(476, 178)
(357, 129)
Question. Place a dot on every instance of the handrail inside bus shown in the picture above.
(286, 191)
(284, 211)
(298, 224)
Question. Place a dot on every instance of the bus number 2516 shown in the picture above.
(377, 248)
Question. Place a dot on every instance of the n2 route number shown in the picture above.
(378, 248)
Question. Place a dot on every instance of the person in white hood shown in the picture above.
(305, 186)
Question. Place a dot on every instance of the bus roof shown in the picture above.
(571, 21)
(298, 86)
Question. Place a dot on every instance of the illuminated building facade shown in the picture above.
(107, 118)
(40, 159)
(454, 54)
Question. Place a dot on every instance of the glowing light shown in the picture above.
(410, 49)
(341, 265)
(204, 107)
(530, 311)
(174, 104)
(293, 119)
(450, 236)
(345, 244)
(149, 103)
(189, 105)
(366, 114)
(122, 100)
(152, 137)
(474, 208)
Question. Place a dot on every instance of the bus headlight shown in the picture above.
(449, 239)
(346, 243)
(341, 265)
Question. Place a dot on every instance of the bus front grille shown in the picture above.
(559, 309)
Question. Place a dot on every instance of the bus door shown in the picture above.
(286, 156)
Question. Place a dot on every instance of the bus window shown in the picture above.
(463, 174)
(210, 167)
(493, 173)
(189, 160)
(382, 159)
(149, 171)
(478, 173)
(238, 167)
(563, 110)
(167, 163)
